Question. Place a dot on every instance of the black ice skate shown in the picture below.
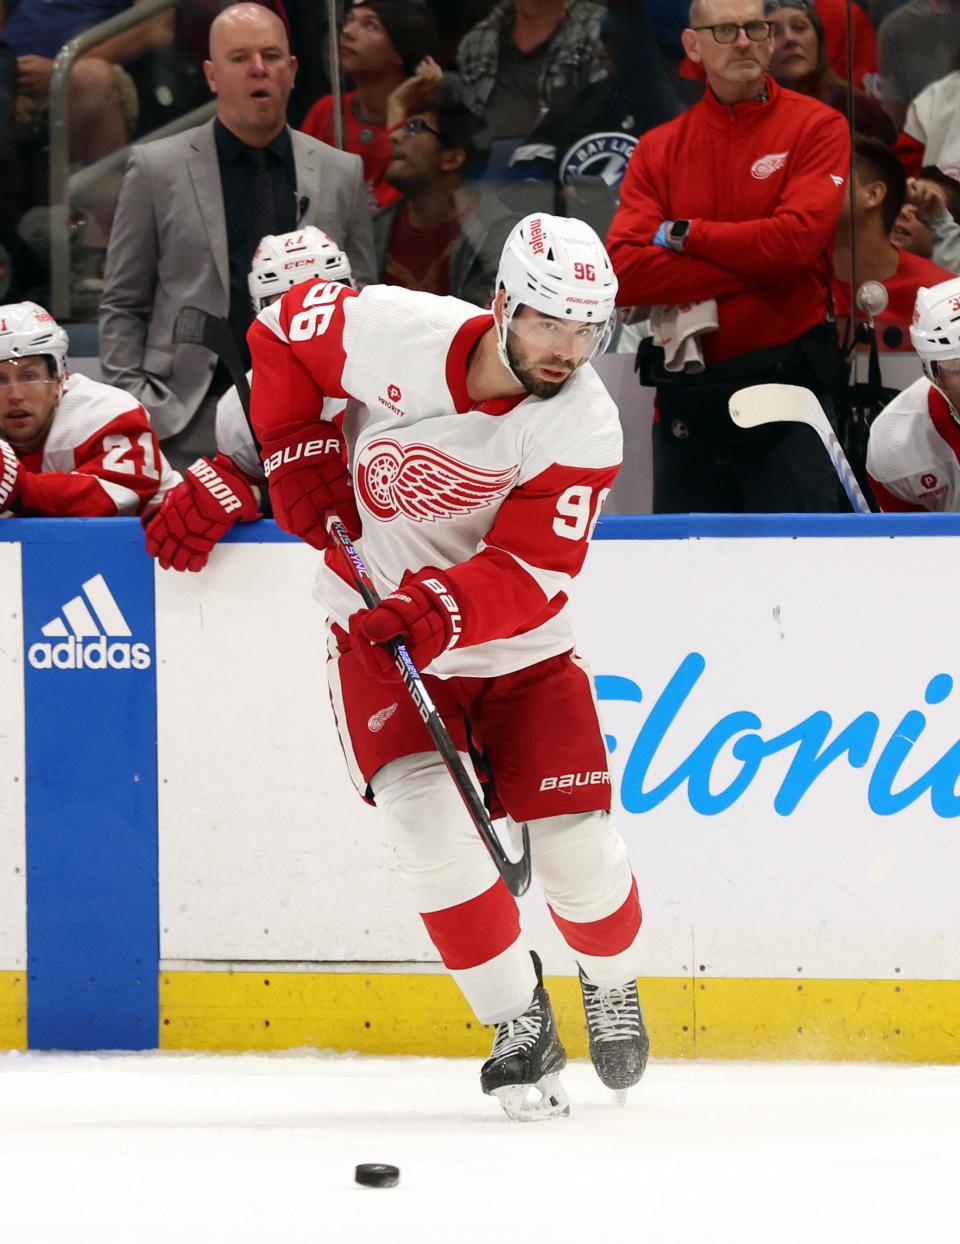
(619, 1044)
(527, 1056)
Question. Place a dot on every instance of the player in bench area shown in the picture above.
(913, 455)
(226, 489)
(481, 446)
(70, 447)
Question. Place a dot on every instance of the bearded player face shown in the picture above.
(544, 351)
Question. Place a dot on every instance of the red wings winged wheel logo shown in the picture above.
(424, 484)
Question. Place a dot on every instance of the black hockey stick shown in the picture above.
(515, 873)
(195, 327)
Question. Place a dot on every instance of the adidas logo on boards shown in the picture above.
(95, 635)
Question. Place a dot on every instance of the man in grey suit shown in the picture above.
(192, 209)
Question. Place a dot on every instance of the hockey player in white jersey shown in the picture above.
(69, 446)
(226, 489)
(480, 449)
(913, 455)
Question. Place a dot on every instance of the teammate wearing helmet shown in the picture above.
(480, 447)
(226, 489)
(913, 455)
(69, 446)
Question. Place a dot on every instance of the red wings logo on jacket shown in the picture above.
(424, 484)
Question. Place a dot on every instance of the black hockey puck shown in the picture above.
(377, 1175)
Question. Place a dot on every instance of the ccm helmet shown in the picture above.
(556, 265)
(285, 259)
(26, 330)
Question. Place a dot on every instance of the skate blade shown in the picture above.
(530, 1103)
(620, 1096)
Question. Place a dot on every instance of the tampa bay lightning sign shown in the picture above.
(598, 155)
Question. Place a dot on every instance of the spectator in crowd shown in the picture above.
(918, 43)
(515, 61)
(800, 62)
(453, 21)
(191, 212)
(864, 239)
(834, 15)
(586, 136)
(726, 221)
(931, 131)
(102, 97)
(70, 447)
(382, 44)
(913, 455)
(219, 492)
(441, 237)
(929, 221)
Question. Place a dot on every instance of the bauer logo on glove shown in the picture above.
(292, 453)
(424, 615)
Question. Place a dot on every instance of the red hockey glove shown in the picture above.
(9, 475)
(308, 478)
(198, 513)
(422, 612)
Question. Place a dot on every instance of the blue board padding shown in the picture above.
(91, 802)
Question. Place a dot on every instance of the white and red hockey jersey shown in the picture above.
(913, 455)
(100, 457)
(503, 495)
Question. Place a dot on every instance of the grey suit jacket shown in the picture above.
(168, 249)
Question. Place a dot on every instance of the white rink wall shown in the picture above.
(267, 854)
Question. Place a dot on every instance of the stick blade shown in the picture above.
(768, 403)
(189, 328)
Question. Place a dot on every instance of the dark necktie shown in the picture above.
(261, 216)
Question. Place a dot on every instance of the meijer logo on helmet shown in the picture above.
(92, 634)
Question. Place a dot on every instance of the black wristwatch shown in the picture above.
(677, 234)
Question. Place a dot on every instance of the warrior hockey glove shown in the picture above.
(199, 512)
(308, 478)
(423, 613)
(9, 475)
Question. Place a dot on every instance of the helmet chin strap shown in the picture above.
(503, 328)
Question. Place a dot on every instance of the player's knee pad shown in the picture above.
(581, 863)
(442, 857)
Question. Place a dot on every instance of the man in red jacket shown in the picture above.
(733, 207)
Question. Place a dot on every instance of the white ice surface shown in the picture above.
(131, 1148)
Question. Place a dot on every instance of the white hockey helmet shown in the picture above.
(557, 265)
(285, 259)
(26, 330)
(935, 331)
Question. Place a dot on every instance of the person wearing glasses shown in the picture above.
(441, 236)
(70, 447)
(729, 213)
